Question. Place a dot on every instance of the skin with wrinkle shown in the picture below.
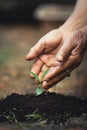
(61, 49)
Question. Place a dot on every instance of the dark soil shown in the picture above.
(55, 108)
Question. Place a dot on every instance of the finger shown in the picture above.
(36, 50)
(43, 69)
(49, 60)
(70, 63)
(73, 61)
(50, 83)
(53, 72)
(36, 67)
(65, 49)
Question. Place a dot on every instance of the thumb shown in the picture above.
(35, 51)
(65, 50)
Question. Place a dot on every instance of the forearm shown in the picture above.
(78, 19)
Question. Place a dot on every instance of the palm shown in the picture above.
(47, 58)
(48, 51)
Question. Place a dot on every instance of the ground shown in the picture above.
(47, 108)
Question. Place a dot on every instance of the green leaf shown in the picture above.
(35, 75)
(39, 90)
(44, 74)
(34, 116)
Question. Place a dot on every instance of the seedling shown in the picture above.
(34, 116)
(11, 118)
(39, 89)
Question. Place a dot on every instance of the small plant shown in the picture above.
(38, 118)
(34, 116)
(11, 118)
(39, 89)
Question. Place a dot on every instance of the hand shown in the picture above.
(60, 50)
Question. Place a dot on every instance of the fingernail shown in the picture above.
(44, 84)
(27, 55)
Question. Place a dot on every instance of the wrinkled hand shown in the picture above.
(58, 50)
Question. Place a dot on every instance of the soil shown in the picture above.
(55, 108)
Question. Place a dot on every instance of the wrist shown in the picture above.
(74, 23)
(78, 18)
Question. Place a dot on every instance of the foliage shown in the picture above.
(11, 117)
(38, 118)
(35, 76)
(39, 90)
(34, 116)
